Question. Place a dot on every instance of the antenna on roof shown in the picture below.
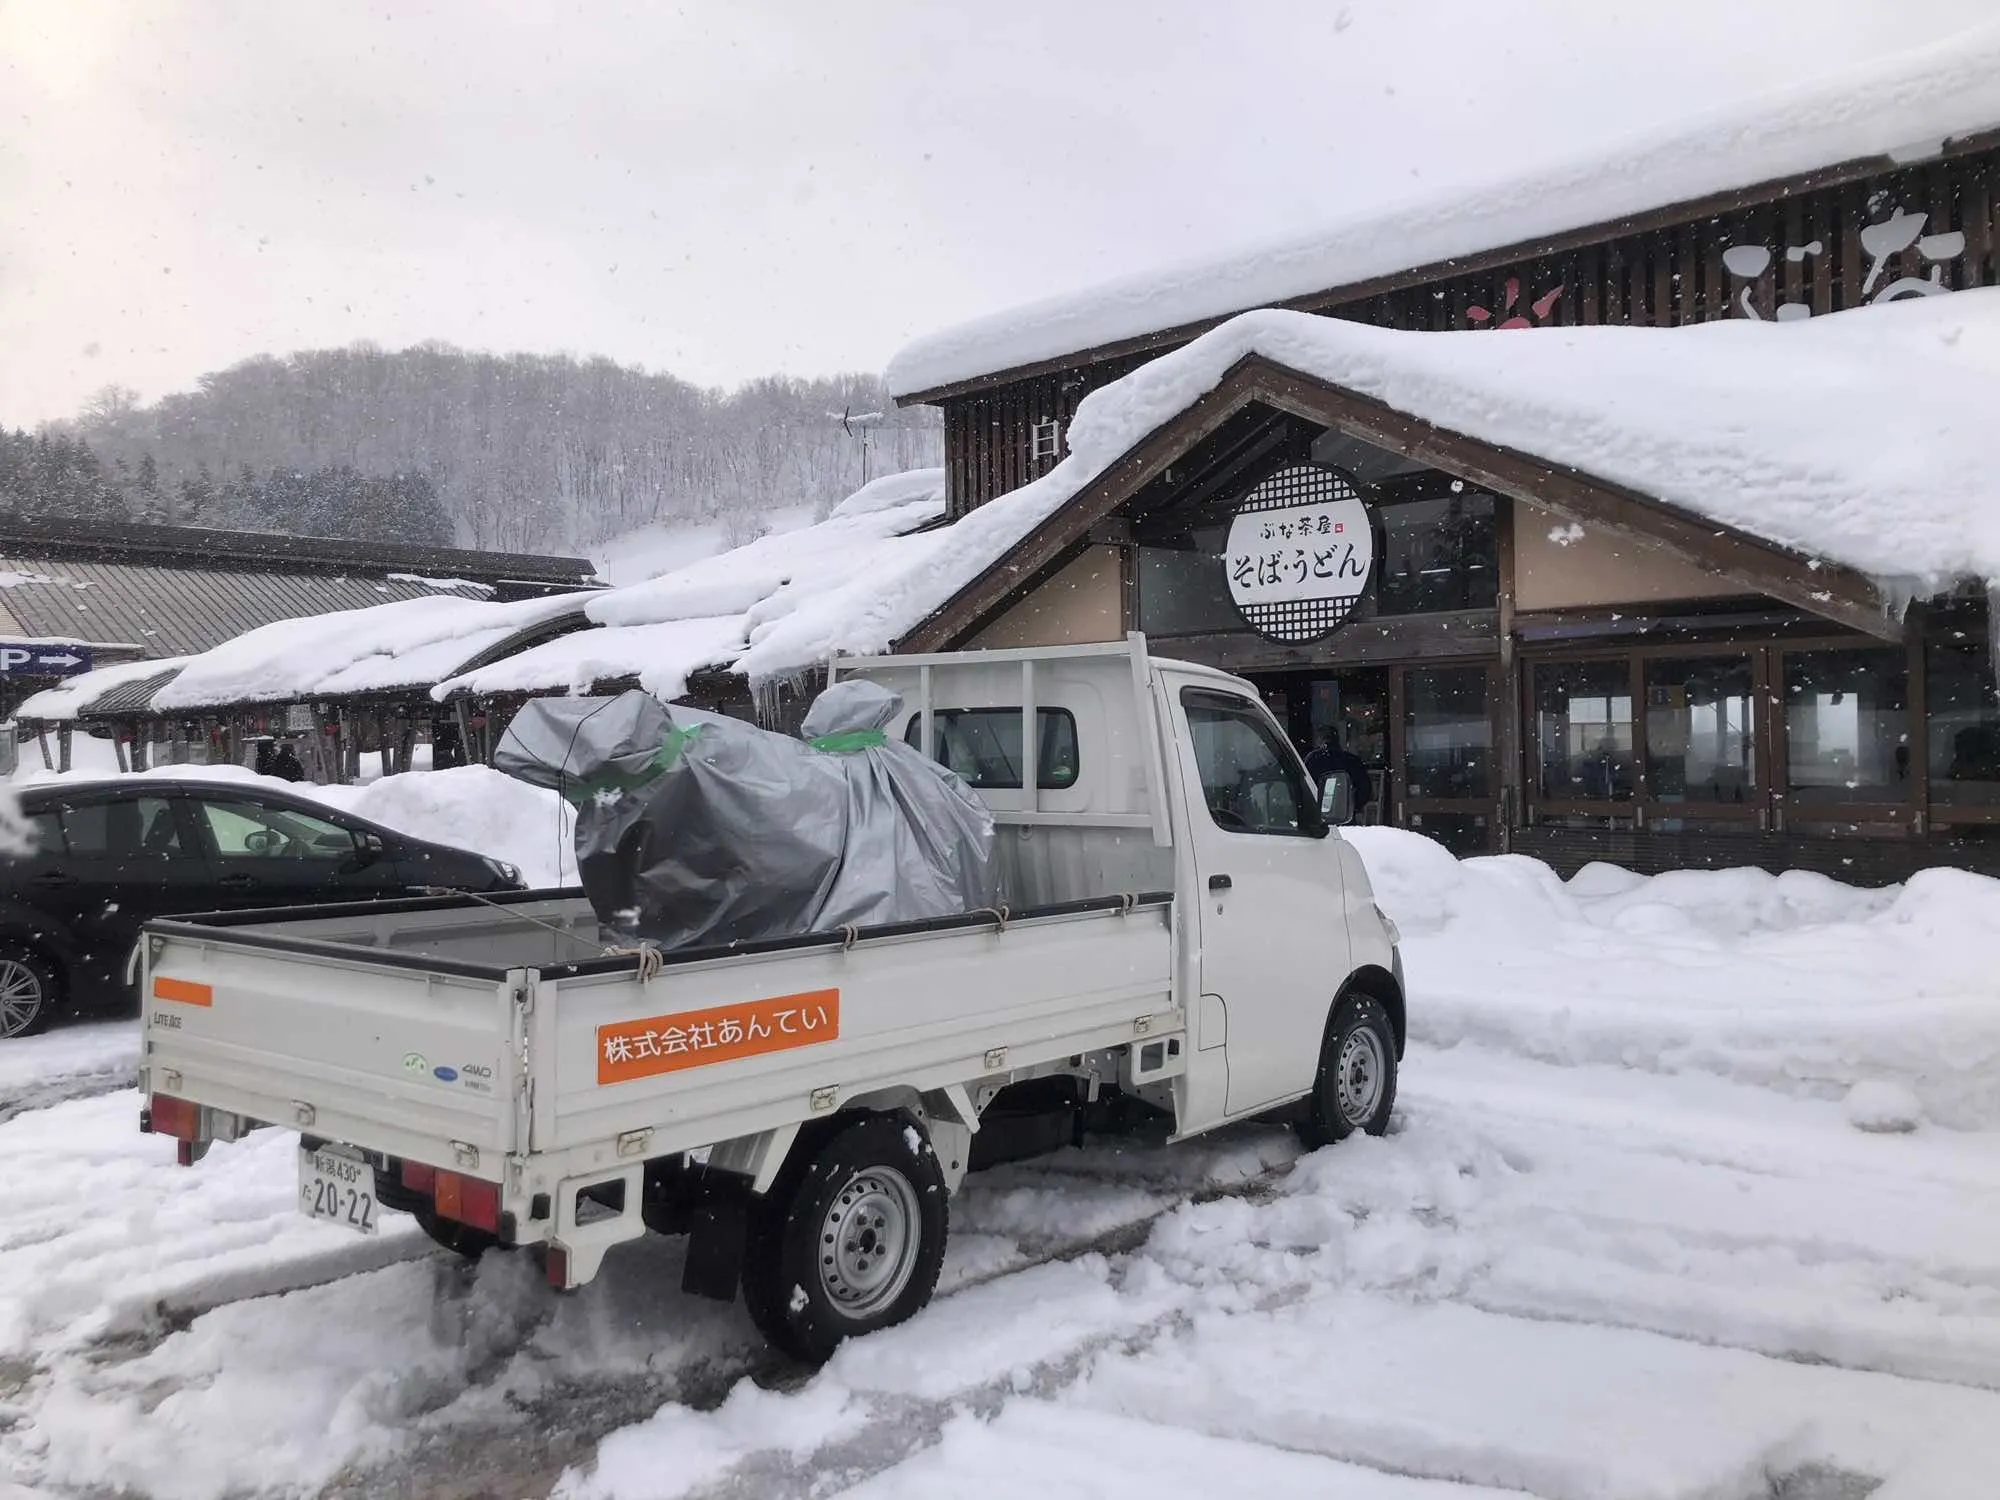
(856, 424)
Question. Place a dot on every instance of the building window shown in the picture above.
(1847, 726)
(1438, 554)
(1700, 746)
(1447, 733)
(1182, 587)
(1045, 439)
(1964, 708)
(1583, 718)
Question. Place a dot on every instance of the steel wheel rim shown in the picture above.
(868, 1242)
(1358, 1075)
(20, 997)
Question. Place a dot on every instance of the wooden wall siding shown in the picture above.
(1690, 273)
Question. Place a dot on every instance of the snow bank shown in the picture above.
(476, 808)
(1905, 105)
(1793, 982)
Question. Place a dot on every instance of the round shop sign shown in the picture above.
(1300, 553)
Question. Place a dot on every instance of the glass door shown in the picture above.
(1844, 741)
(1449, 787)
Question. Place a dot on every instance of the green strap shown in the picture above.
(850, 740)
(671, 749)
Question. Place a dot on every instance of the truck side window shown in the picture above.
(1249, 778)
(983, 745)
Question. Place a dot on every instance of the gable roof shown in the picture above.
(1902, 108)
(1842, 457)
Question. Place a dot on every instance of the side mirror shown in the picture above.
(1336, 800)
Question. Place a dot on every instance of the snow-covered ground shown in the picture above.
(1694, 1194)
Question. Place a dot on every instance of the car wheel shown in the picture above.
(1355, 1088)
(849, 1242)
(29, 992)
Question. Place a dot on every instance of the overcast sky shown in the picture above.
(736, 187)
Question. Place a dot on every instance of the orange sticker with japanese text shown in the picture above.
(695, 1038)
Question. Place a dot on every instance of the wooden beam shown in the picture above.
(1461, 634)
(1687, 211)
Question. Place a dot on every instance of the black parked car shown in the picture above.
(110, 854)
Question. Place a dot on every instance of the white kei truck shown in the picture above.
(1186, 933)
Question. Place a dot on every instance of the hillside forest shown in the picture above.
(519, 453)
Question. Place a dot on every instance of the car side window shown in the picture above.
(253, 830)
(122, 828)
(45, 832)
(1250, 780)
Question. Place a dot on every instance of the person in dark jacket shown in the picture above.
(1329, 756)
(285, 764)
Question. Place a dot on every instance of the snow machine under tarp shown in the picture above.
(693, 829)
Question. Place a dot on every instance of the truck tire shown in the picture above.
(29, 991)
(1355, 1088)
(848, 1240)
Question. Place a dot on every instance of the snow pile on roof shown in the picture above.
(409, 643)
(70, 697)
(1858, 438)
(715, 612)
(1906, 105)
(892, 490)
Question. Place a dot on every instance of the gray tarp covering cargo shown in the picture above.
(694, 829)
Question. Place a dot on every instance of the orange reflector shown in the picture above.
(419, 1178)
(468, 1200)
(182, 991)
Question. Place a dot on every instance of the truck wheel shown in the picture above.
(461, 1239)
(28, 991)
(1356, 1085)
(849, 1242)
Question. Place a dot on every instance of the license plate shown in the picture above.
(338, 1187)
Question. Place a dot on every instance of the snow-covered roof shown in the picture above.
(1859, 438)
(715, 612)
(1904, 105)
(77, 694)
(410, 643)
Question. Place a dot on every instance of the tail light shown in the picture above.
(419, 1178)
(555, 1266)
(468, 1200)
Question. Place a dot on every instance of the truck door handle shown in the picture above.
(1219, 882)
(55, 878)
(236, 882)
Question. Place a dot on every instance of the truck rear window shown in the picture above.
(983, 745)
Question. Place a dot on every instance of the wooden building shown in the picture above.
(1543, 661)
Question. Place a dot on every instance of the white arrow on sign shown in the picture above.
(65, 660)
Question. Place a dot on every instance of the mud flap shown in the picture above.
(714, 1263)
